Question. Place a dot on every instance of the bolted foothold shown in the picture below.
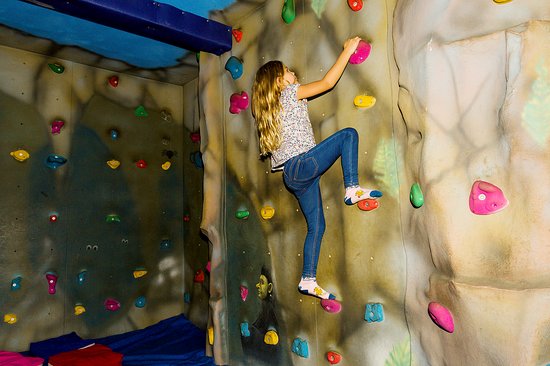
(331, 306)
(267, 212)
(166, 165)
(187, 297)
(20, 155)
(113, 81)
(140, 111)
(53, 217)
(56, 126)
(238, 102)
(112, 218)
(364, 101)
(271, 337)
(486, 198)
(51, 277)
(166, 244)
(416, 197)
(79, 309)
(199, 276)
(113, 164)
(441, 316)
(300, 347)
(334, 357)
(166, 115)
(235, 67)
(114, 134)
(237, 34)
(244, 292)
(211, 335)
(16, 283)
(374, 313)
(289, 11)
(245, 332)
(140, 302)
(142, 164)
(139, 272)
(111, 304)
(81, 277)
(195, 137)
(242, 214)
(355, 5)
(54, 161)
(368, 204)
(57, 68)
(10, 318)
(361, 53)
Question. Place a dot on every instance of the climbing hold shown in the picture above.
(238, 102)
(267, 212)
(501, 1)
(331, 306)
(16, 283)
(79, 309)
(139, 272)
(165, 115)
(211, 335)
(10, 318)
(140, 111)
(186, 218)
(54, 161)
(199, 276)
(53, 217)
(334, 357)
(81, 277)
(112, 218)
(56, 126)
(416, 196)
(289, 11)
(111, 304)
(441, 316)
(300, 347)
(196, 158)
(245, 332)
(187, 297)
(235, 67)
(166, 165)
(20, 155)
(51, 277)
(364, 101)
(114, 134)
(355, 5)
(140, 302)
(374, 313)
(166, 244)
(113, 81)
(486, 198)
(244, 292)
(242, 214)
(271, 337)
(208, 266)
(195, 137)
(361, 53)
(57, 68)
(142, 164)
(368, 204)
(113, 164)
(237, 34)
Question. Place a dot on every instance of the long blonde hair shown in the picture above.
(266, 107)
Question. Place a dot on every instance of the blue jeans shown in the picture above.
(301, 176)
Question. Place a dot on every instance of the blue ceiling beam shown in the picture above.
(158, 21)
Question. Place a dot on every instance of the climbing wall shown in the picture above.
(101, 197)
(256, 225)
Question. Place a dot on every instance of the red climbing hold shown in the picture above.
(237, 34)
(142, 164)
(355, 5)
(334, 357)
(368, 205)
(113, 81)
(199, 276)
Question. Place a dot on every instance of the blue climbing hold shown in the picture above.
(245, 332)
(81, 278)
(16, 283)
(140, 302)
(54, 161)
(300, 347)
(114, 134)
(196, 158)
(374, 313)
(166, 244)
(235, 67)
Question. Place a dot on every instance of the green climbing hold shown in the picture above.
(242, 214)
(141, 111)
(57, 68)
(112, 218)
(417, 198)
(289, 11)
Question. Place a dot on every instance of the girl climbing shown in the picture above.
(279, 106)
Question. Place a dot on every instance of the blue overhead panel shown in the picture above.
(158, 21)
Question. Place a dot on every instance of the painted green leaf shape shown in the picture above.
(318, 7)
(384, 168)
(536, 113)
(400, 355)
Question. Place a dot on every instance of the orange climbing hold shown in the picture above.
(368, 205)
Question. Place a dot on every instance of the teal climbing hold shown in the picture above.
(81, 278)
(54, 161)
(289, 11)
(140, 302)
(300, 347)
(16, 283)
(235, 67)
(374, 313)
(416, 197)
(245, 332)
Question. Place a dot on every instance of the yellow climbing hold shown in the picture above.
(211, 335)
(166, 165)
(267, 212)
(364, 101)
(20, 155)
(271, 337)
(10, 318)
(113, 164)
(139, 273)
(501, 1)
(79, 309)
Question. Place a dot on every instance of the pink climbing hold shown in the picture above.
(244, 293)
(195, 137)
(208, 267)
(486, 198)
(52, 282)
(331, 306)
(441, 316)
(56, 126)
(361, 53)
(111, 304)
(239, 102)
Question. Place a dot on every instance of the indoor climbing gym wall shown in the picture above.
(101, 201)
(451, 107)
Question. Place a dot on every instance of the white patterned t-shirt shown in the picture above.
(296, 131)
